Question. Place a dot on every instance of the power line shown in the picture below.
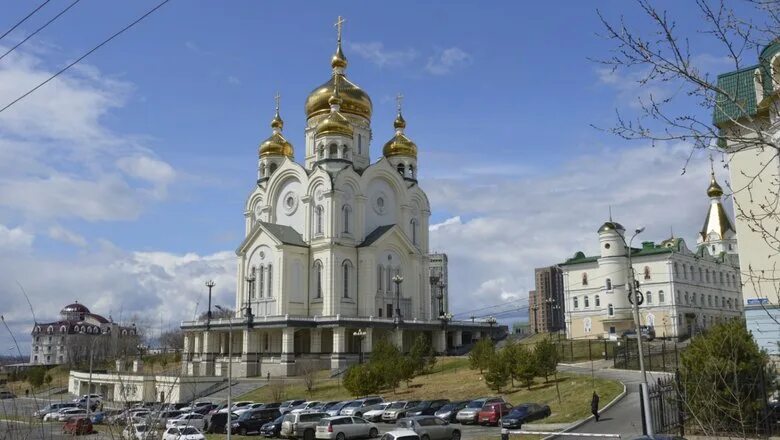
(104, 42)
(40, 28)
(18, 23)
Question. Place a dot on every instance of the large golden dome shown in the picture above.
(276, 144)
(354, 100)
(400, 144)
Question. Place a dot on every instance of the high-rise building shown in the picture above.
(437, 269)
(547, 300)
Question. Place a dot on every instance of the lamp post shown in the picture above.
(434, 282)
(550, 304)
(230, 373)
(210, 284)
(248, 309)
(491, 322)
(441, 285)
(360, 334)
(536, 319)
(397, 318)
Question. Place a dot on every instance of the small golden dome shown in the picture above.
(334, 124)
(400, 144)
(714, 190)
(354, 100)
(399, 122)
(277, 122)
(338, 60)
(276, 144)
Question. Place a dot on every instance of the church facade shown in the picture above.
(335, 254)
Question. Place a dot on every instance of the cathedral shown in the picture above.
(335, 254)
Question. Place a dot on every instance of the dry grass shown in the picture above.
(453, 379)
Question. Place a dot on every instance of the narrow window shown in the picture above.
(401, 169)
(318, 219)
(360, 148)
(318, 279)
(611, 310)
(660, 297)
(598, 301)
(273, 168)
(413, 228)
(380, 312)
(411, 171)
(609, 284)
(252, 285)
(576, 303)
(647, 272)
(270, 281)
(346, 212)
(649, 297)
(379, 277)
(261, 282)
(584, 278)
(345, 274)
(676, 269)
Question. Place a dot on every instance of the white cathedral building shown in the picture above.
(335, 254)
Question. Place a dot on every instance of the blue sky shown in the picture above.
(125, 180)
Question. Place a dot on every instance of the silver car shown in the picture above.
(430, 428)
(470, 413)
(300, 425)
(344, 427)
(397, 410)
(359, 407)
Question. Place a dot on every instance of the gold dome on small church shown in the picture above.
(714, 189)
(400, 144)
(335, 123)
(276, 144)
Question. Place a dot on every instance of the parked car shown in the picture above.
(77, 426)
(140, 416)
(491, 413)
(55, 415)
(272, 429)
(53, 407)
(139, 431)
(524, 413)
(360, 406)
(400, 434)
(97, 417)
(450, 410)
(71, 413)
(397, 410)
(301, 425)
(217, 423)
(252, 421)
(187, 419)
(375, 413)
(244, 409)
(241, 404)
(204, 409)
(430, 428)
(324, 406)
(92, 397)
(345, 427)
(427, 407)
(271, 405)
(335, 409)
(470, 413)
(7, 395)
(304, 407)
(647, 333)
(161, 418)
(183, 433)
(197, 405)
(288, 405)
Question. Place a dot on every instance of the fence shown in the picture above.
(585, 349)
(661, 356)
(667, 407)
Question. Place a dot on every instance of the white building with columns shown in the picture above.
(683, 291)
(332, 245)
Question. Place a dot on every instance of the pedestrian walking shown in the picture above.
(594, 406)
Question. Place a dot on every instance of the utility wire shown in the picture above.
(24, 19)
(40, 29)
(103, 43)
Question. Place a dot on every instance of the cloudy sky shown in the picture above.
(122, 181)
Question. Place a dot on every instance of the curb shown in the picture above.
(581, 422)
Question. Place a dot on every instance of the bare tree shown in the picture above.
(730, 116)
(309, 375)
(173, 339)
(219, 313)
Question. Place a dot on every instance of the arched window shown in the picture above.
(320, 152)
(344, 152)
(253, 272)
(380, 276)
(413, 230)
(318, 279)
(609, 284)
(411, 171)
(584, 279)
(360, 143)
(576, 303)
(587, 325)
(273, 168)
(701, 275)
(661, 297)
(676, 269)
(610, 310)
(597, 300)
(720, 278)
(318, 219)
(707, 272)
(262, 170)
(346, 212)
(649, 297)
(63, 329)
(687, 299)
(401, 169)
(50, 329)
(270, 280)
(346, 273)
(650, 320)
(647, 272)
(261, 281)
(333, 151)
(586, 302)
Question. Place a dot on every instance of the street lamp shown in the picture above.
(491, 322)
(398, 319)
(230, 372)
(248, 309)
(360, 334)
(210, 284)
(536, 319)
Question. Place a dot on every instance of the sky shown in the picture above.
(122, 182)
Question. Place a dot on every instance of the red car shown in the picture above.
(79, 426)
(491, 413)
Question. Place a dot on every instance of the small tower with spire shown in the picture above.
(718, 234)
(400, 150)
(334, 135)
(274, 150)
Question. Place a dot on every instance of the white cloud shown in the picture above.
(447, 60)
(14, 239)
(448, 222)
(59, 233)
(377, 54)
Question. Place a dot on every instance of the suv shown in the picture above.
(470, 413)
(397, 410)
(304, 407)
(301, 425)
(53, 407)
(78, 426)
(344, 427)
(646, 331)
(358, 407)
(252, 421)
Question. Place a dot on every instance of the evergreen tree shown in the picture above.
(480, 354)
(384, 360)
(498, 372)
(406, 368)
(546, 355)
(361, 380)
(422, 355)
(524, 366)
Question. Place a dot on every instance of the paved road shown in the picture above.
(624, 416)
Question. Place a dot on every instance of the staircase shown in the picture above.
(240, 387)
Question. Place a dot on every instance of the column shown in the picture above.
(458, 338)
(439, 341)
(249, 354)
(208, 353)
(338, 360)
(287, 362)
(316, 341)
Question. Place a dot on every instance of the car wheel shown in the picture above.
(373, 433)
(242, 431)
(308, 434)
(456, 435)
(425, 437)
(341, 436)
(358, 414)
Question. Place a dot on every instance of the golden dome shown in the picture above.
(334, 123)
(400, 144)
(276, 144)
(714, 190)
(338, 60)
(354, 100)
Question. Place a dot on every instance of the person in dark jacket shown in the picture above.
(594, 406)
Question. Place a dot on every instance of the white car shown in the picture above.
(92, 398)
(139, 431)
(239, 405)
(183, 433)
(244, 409)
(400, 434)
(190, 419)
(304, 407)
(375, 415)
(344, 427)
(67, 414)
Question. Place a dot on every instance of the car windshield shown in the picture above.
(476, 404)
(289, 418)
(519, 410)
(449, 407)
(408, 437)
(397, 405)
(382, 406)
(189, 431)
(279, 419)
(340, 405)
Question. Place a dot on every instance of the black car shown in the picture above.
(216, 423)
(271, 429)
(204, 409)
(271, 405)
(524, 413)
(427, 408)
(253, 420)
(450, 410)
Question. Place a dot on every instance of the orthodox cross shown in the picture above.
(398, 100)
(339, 24)
(712, 165)
(277, 97)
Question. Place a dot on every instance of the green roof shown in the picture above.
(648, 248)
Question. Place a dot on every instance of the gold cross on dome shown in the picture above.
(712, 165)
(398, 100)
(339, 25)
(277, 97)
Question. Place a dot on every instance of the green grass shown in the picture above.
(453, 379)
